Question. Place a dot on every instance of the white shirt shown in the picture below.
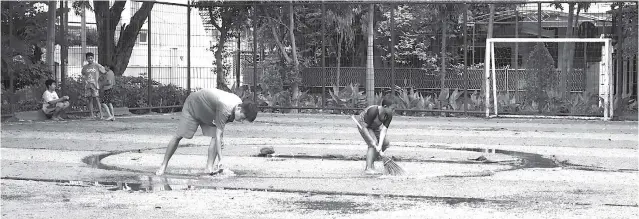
(48, 96)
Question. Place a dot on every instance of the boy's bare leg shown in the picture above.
(371, 154)
(112, 112)
(215, 153)
(56, 113)
(170, 149)
(91, 107)
(370, 159)
(97, 100)
(210, 162)
(63, 111)
(108, 113)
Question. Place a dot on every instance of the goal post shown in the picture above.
(596, 72)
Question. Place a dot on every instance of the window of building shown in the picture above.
(143, 37)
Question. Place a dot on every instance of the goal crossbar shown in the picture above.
(605, 66)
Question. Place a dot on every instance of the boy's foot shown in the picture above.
(159, 172)
(218, 171)
(371, 172)
(55, 119)
(60, 118)
(112, 118)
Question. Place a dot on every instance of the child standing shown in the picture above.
(91, 73)
(106, 84)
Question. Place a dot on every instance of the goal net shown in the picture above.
(548, 78)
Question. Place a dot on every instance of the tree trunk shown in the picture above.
(280, 45)
(296, 63)
(491, 25)
(370, 67)
(339, 60)
(442, 72)
(219, 70)
(568, 54)
(107, 18)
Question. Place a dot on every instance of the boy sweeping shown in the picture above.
(209, 109)
(374, 122)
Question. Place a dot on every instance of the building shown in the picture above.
(168, 48)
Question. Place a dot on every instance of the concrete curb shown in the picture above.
(38, 115)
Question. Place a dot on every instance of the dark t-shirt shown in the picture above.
(374, 116)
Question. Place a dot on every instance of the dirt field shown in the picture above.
(539, 168)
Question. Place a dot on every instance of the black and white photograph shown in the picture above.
(319, 109)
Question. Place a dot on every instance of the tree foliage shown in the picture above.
(542, 78)
(24, 33)
(229, 21)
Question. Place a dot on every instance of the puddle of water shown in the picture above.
(343, 207)
(530, 160)
(156, 184)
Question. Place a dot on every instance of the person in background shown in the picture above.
(91, 73)
(52, 105)
(107, 81)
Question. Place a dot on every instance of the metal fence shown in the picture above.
(176, 47)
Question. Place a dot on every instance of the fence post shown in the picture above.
(10, 71)
(466, 78)
(539, 19)
(392, 50)
(323, 55)
(255, 53)
(516, 55)
(149, 81)
(188, 48)
(64, 48)
(239, 58)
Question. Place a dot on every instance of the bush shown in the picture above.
(543, 79)
(131, 92)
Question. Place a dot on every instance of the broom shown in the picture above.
(390, 167)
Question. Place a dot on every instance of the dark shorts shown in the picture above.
(107, 96)
(376, 131)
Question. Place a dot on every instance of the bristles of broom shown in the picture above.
(390, 167)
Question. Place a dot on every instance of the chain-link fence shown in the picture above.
(437, 48)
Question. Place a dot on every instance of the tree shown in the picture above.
(107, 19)
(625, 18)
(341, 16)
(540, 66)
(227, 20)
(275, 20)
(24, 34)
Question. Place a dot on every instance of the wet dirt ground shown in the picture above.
(532, 169)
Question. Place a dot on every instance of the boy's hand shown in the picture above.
(379, 149)
(65, 97)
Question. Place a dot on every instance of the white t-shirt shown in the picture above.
(48, 96)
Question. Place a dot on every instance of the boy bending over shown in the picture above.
(374, 122)
(209, 109)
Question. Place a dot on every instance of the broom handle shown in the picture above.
(360, 127)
